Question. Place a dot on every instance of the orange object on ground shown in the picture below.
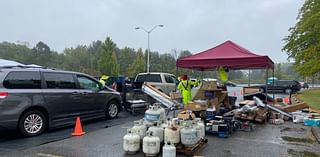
(286, 100)
(78, 128)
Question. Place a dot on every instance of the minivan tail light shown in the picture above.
(3, 95)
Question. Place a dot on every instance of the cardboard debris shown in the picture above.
(247, 102)
(186, 115)
(250, 90)
(209, 85)
(193, 106)
(294, 107)
(199, 95)
(175, 95)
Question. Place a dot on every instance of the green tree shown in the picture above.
(138, 64)
(125, 57)
(303, 42)
(107, 60)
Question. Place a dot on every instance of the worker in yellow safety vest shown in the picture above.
(103, 79)
(185, 88)
(223, 73)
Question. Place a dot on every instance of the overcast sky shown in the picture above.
(194, 25)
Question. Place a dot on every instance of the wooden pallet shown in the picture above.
(191, 150)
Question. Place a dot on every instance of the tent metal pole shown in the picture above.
(273, 85)
(249, 84)
(266, 83)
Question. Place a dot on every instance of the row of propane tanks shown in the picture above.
(155, 129)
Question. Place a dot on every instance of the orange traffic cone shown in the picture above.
(78, 128)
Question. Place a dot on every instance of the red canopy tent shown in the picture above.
(226, 54)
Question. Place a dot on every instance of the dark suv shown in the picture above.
(283, 86)
(35, 99)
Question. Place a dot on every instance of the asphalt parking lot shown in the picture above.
(104, 138)
(265, 140)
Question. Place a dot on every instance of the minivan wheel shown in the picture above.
(112, 109)
(288, 91)
(32, 123)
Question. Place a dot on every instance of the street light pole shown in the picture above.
(148, 53)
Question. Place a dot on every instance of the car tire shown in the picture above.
(288, 91)
(112, 109)
(32, 123)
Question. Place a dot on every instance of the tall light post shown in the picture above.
(148, 32)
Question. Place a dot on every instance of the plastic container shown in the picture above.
(168, 150)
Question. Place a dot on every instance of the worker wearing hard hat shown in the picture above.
(103, 79)
(185, 88)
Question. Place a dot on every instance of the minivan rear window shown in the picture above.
(59, 81)
(22, 80)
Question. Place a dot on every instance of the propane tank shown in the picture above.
(172, 134)
(201, 128)
(139, 128)
(131, 142)
(188, 135)
(151, 144)
(162, 112)
(152, 115)
(157, 131)
(168, 150)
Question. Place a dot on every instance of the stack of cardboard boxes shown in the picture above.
(210, 94)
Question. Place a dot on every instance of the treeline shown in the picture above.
(100, 57)
(104, 57)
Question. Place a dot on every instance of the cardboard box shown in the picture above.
(195, 106)
(250, 90)
(186, 115)
(213, 102)
(175, 95)
(295, 107)
(199, 95)
(209, 85)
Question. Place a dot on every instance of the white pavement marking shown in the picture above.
(48, 155)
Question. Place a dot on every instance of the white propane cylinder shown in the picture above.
(139, 128)
(131, 142)
(152, 115)
(157, 131)
(202, 131)
(188, 136)
(162, 112)
(168, 150)
(172, 134)
(151, 145)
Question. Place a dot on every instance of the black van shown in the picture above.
(34, 99)
(283, 86)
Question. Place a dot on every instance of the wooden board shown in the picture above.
(191, 150)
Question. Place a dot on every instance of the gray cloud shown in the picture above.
(257, 25)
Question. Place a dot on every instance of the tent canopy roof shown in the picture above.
(226, 54)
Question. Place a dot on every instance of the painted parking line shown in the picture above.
(48, 155)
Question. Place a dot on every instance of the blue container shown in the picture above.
(311, 122)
